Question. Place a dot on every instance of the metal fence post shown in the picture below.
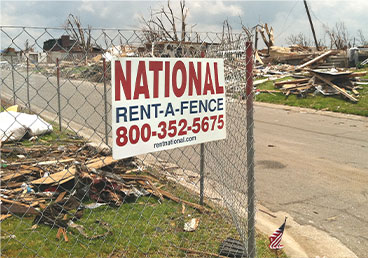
(250, 151)
(201, 174)
(105, 102)
(12, 71)
(28, 100)
(58, 91)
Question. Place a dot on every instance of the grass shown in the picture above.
(145, 228)
(319, 102)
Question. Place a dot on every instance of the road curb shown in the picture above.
(301, 240)
(311, 111)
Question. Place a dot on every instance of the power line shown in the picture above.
(287, 17)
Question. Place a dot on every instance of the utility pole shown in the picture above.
(311, 23)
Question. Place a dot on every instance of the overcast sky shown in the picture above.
(286, 17)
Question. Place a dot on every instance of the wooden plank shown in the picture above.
(342, 91)
(149, 185)
(4, 216)
(355, 91)
(314, 60)
(278, 84)
(178, 200)
(17, 209)
(35, 163)
(11, 184)
(294, 87)
(289, 86)
(60, 197)
(138, 177)
(269, 91)
(50, 162)
(12, 202)
(257, 82)
(68, 174)
(358, 74)
(13, 175)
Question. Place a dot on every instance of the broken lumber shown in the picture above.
(269, 91)
(178, 200)
(314, 60)
(278, 84)
(50, 162)
(138, 177)
(5, 216)
(342, 91)
(12, 202)
(68, 174)
(257, 82)
(17, 209)
(12, 175)
(358, 74)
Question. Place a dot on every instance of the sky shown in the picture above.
(286, 17)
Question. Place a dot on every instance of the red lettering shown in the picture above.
(167, 79)
(120, 79)
(208, 86)
(141, 76)
(194, 78)
(155, 66)
(219, 88)
(179, 65)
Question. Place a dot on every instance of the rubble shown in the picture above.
(191, 225)
(327, 82)
(56, 185)
(312, 71)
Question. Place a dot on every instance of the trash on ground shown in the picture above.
(53, 184)
(14, 126)
(191, 225)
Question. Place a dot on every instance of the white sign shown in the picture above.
(165, 103)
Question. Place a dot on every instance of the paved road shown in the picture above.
(311, 165)
(315, 167)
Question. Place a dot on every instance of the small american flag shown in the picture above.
(275, 238)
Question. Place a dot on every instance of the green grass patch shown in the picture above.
(319, 102)
(144, 228)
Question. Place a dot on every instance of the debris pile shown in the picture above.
(312, 76)
(57, 183)
(326, 82)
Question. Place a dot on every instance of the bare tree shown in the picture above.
(362, 40)
(339, 36)
(227, 32)
(298, 39)
(78, 33)
(162, 24)
(267, 35)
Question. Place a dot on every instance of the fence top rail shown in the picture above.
(103, 29)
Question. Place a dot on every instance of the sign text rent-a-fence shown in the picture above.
(164, 103)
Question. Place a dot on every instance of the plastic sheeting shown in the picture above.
(14, 125)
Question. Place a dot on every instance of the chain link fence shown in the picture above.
(62, 194)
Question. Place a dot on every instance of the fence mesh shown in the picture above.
(62, 194)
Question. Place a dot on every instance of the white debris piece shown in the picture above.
(15, 125)
(191, 225)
